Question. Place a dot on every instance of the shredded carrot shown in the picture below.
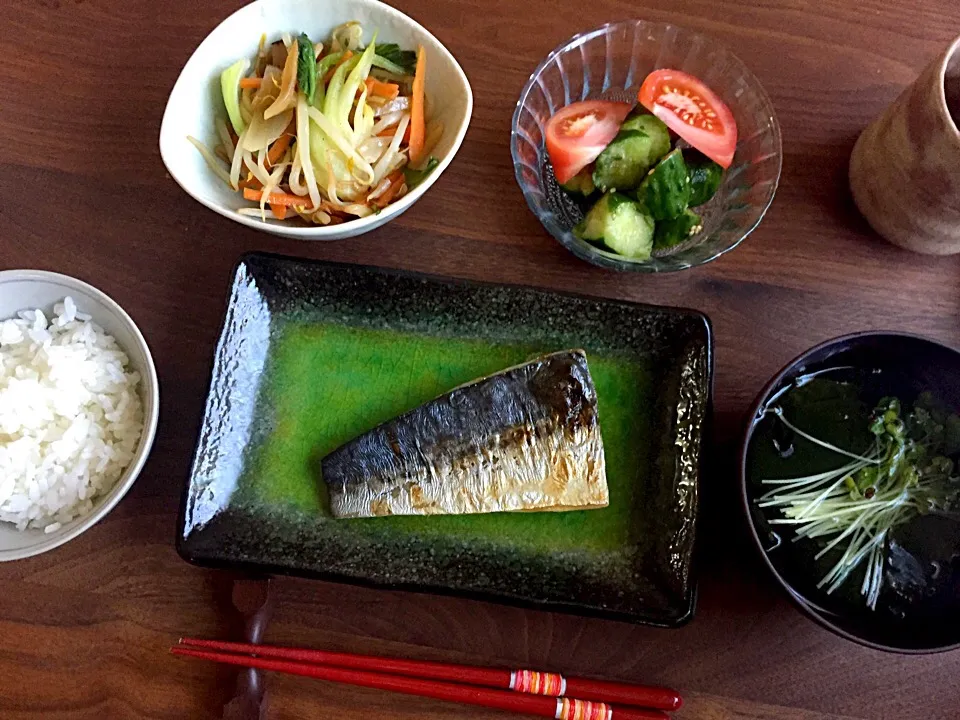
(280, 211)
(346, 56)
(389, 195)
(250, 182)
(251, 83)
(396, 182)
(277, 198)
(280, 145)
(417, 121)
(387, 90)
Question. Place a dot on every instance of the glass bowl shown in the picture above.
(611, 62)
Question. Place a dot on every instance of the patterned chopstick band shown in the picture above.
(582, 710)
(537, 683)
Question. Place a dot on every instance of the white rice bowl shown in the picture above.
(71, 417)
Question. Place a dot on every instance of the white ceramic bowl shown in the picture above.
(29, 289)
(196, 100)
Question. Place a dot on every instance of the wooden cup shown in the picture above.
(905, 167)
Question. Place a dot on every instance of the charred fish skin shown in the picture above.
(527, 438)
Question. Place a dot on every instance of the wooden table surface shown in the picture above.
(83, 191)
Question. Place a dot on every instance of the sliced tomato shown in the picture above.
(578, 133)
(693, 111)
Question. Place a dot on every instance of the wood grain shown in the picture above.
(82, 190)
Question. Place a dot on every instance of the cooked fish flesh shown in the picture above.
(526, 438)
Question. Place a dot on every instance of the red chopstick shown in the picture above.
(525, 681)
(549, 707)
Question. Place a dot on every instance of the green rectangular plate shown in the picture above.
(313, 354)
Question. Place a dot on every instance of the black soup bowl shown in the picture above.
(829, 393)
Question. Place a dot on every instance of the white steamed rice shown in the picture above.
(70, 416)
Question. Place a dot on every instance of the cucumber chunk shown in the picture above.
(621, 224)
(705, 177)
(581, 183)
(651, 125)
(642, 141)
(674, 231)
(665, 191)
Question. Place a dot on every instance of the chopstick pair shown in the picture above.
(544, 694)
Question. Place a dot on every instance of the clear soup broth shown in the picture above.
(915, 572)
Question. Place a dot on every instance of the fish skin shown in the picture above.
(526, 438)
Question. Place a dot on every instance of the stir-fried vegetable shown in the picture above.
(417, 123)
(230, 87)
(415, 177)
(387, 90)
(391, 58)
(307, 68)
(324, 132)
(288, 85)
